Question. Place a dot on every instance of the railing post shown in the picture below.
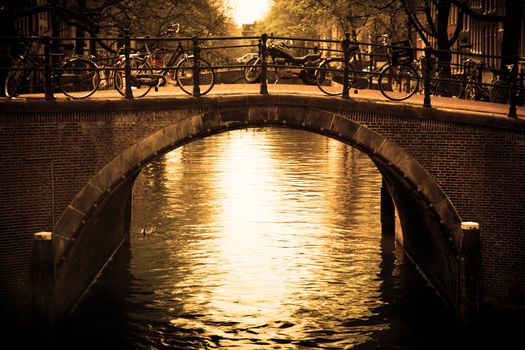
(48, 80)
(196, 70)
(127, 65)
(371, 67)
(346, 72)
(521, 85)
(513, 88)
(264, 65)
(42, 279)
(427, 72)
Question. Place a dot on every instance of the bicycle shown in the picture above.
(76, 77)
(441, 83)
(447, 79)
(501, 87)
(286, 65)
(472, 87)
(108, 64)
(145, 74)
(396, 78)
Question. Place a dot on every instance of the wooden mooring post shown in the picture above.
(43, 275)
(469, 276)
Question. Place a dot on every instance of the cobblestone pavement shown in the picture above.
(480, 107)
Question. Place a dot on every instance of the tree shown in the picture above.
(294, 18)
(305, 18)
(430, 27)
(107, 17)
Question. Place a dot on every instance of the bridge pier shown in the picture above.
(93, 245)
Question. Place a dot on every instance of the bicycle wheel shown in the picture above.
(252, 73)
(329, 76)
(139, 87)
(185, 78)
(469, 91)
(78, 78)
(398, 82)
(500, 92)
(17, 81)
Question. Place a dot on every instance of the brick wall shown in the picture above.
(478, 162)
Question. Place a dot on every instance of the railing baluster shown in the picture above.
(196, 70)
(513, 88)
(427, 72)
(264, 66)
(346, 72)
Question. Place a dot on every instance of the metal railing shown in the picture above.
(428, 62)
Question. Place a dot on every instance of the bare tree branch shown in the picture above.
(430, 20)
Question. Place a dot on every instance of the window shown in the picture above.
(466, 23)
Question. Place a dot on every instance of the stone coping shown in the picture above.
(12, 108)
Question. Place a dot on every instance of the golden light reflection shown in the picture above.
(250, 214)
(263, 232)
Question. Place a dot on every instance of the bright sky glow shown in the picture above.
(248, 11)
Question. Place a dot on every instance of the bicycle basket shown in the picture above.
(402, 52)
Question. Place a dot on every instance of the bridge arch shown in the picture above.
(431, 225)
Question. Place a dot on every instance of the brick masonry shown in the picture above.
(50, 150)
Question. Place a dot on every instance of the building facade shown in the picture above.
(485, 38)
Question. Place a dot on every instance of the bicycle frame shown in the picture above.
(362, 79)
(158, 79)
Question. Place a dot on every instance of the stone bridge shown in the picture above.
(68, 167)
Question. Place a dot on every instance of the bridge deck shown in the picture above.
(477, 107)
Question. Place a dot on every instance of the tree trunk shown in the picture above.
(511, 32)
(55, 31)
(444, 55)
(80, 32)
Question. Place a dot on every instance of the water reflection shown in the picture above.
(263, 239)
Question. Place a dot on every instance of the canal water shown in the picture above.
(259, 239)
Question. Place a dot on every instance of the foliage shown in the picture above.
(197, 17)
(305, 18)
